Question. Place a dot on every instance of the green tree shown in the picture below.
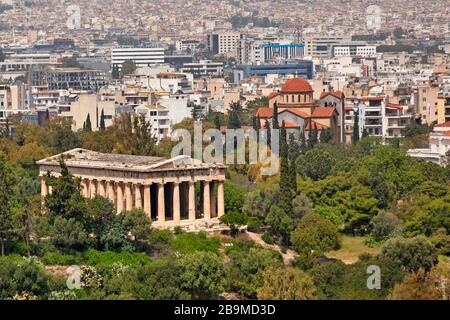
(294, 147)
(102, 121)
(88, 125)
(65, 200)
(202, 275)
(138, 224)
(355, 137)
(7, 182)
(128, 67)
(115, 74)
(412, 254)
(419, 285)
(68, 234)
(316, 164)
(275, 124)
(286, 284)
(326, 135)
(314, 235)
(268, 133)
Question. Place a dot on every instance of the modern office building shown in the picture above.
(283, 51)
(303, 69)
(142, 56)
(320, 46)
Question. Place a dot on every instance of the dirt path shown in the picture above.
(287, 257)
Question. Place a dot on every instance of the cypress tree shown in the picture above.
(356, 128)
(268, 133)
(102, 121)
(275, 116)
(303, 143)
(294, 147)
(285, 181)
(88, 126)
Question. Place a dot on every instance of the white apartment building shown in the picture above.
(187, 45)
(159, 119)
(377, 117)
(203, 68)
(354, 50)
(142, 56)
(439, 146)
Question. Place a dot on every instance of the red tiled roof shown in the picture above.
(319, 126)
(337, 94)
(272, 95)
(288, 124)
(371, 98)
(295, 111)
(323, 112)
(393, 106)
(296, 85)
(264, 112)
(443, 125)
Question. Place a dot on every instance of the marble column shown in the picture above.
(110, 190)
(137, 196)
(119, 197)
(84, 188)
(147, 200)
(101, 188)
(206, 201)
(220, 199)
(176, 202)
(212, 199)
(43, 187)
(92, 188)
(191, 205)
(128, 197)
(161, 205)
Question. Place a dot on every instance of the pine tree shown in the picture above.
(102, 121)
(88, 123)
(356, 128)
(275, 116)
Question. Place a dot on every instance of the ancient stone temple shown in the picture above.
(174, 192)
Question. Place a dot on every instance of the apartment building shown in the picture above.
(353, 50)
(223, 42)
(443, 106)
(321, 46)
(159, 119)
(78, 106)
(377, 117)
(425, 97)
(187, 45)
(142, 56)
(203, 68)
(12, 100)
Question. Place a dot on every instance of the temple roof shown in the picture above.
(91, 159)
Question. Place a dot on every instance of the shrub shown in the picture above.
(56, 258)
(192, 242)
(254, 224)
(267, 238)
(108, 258)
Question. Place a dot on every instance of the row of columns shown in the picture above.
(127, 196)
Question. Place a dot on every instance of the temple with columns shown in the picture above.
(173, 192)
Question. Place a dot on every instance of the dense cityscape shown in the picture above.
(224, 150)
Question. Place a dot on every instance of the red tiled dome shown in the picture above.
(296, 85)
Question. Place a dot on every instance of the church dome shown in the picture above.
(296, 85)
